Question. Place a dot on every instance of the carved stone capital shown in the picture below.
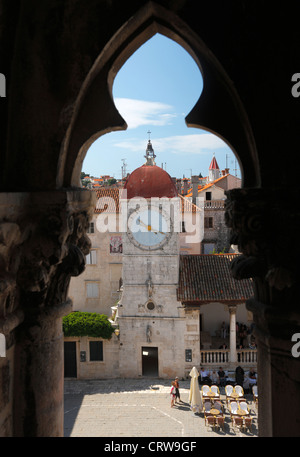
(43, 243)
(265, 225)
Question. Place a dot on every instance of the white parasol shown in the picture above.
(195, 396)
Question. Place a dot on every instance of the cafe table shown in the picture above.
(215, 412)
(242, 412)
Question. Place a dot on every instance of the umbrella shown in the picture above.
(195, 396)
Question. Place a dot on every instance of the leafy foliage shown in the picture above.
(87, 324)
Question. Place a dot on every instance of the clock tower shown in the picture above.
(150, 318)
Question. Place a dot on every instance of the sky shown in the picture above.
(154, 91)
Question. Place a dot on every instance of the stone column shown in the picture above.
(232, 333)
(265, 226)
(42, 244)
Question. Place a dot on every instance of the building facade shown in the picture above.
(161, 330)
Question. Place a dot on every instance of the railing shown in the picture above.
(221, 356)
(214, 356)
(214, 204)
(247, 356)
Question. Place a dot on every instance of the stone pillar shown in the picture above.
(232, 334)
(265, 226)
(42, 244)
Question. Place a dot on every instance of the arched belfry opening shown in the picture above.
(218, 110)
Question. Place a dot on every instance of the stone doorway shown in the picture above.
(150, 361)
(70, 363)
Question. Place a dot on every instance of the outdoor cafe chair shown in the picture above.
(218, 405)
(210, 421)
(237, 422)
(215, 390)
(228, 392)
(204, 391)
(220, 420)
(255, 395)
(244, 406)
(233, 408)
(239, 390)
(206, 406)
(248, 422)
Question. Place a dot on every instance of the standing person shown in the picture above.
(239, 376)
(222, 377)
(173, 393)
(177, 395)
(223, 330)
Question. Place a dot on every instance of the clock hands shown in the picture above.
(148, 227)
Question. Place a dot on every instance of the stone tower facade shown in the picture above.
(151, 320)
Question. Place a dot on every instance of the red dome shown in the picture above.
(150, 181)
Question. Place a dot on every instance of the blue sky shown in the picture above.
(154, 91)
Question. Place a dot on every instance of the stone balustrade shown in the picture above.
(221, 357)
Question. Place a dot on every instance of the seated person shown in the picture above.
(222, 377)
(252, 377)
(214, 377)
(204, 374)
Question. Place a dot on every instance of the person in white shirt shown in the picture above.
(205, 379)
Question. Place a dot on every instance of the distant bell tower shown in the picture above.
(214, 170)
(150, 156)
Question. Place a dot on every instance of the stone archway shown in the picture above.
(42, 244)
(218, 110)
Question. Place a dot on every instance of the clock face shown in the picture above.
(148, 229)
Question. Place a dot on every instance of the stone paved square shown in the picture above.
(139, 408)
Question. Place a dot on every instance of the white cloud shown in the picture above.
(178, 144)
(141, 112)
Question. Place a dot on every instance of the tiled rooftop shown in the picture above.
(206, 278)
(107, 200)
(106, 194)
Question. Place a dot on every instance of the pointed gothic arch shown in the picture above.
(219, 109)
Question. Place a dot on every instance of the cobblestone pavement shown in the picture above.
(138, 408)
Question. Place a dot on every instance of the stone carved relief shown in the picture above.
(265, 226)
(149, 333)
(43, 245)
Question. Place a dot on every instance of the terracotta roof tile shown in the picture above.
(206, 278)
(108, 193)
(206, 186)
(107, 200)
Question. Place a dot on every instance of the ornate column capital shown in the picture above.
(265, 225)
(43, 243)
(232, 309)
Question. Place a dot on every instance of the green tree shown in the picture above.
(87, 324)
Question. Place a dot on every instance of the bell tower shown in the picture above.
(148, 311)
(214, 170)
